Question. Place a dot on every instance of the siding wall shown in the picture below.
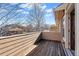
(55, 36)
(67, 25)
(18, 45)
(77, 29)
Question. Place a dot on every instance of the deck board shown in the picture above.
(47, 48)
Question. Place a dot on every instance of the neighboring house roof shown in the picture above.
(16, 29)
(13, 27)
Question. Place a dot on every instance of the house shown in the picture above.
(53, 28)
(12, 29)
(29, 28)
(66, 17)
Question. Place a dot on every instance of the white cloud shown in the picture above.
(26, 5)
(22, 11)
(3, 10)
(24, 24)
(11, 21)
(44, 6)
(19, 10)
(47, 15)
(49, 18)
(49, 10)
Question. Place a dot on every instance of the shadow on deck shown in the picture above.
(47, 48)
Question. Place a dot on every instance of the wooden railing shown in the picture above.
(54, 36)
(17, 44)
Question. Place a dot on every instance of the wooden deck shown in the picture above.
(33, 44)
(47, 48)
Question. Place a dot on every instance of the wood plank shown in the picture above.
(47, 48)
(15, 42)
(5, 40)
(14, 46)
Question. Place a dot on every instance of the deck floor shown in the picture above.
(47, 48)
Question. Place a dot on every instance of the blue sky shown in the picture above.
(50, 16)
(22, 10)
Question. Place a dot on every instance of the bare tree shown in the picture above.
(36, 16)
(9, 13)
(6, 17)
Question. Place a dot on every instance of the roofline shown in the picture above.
(60, 4)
